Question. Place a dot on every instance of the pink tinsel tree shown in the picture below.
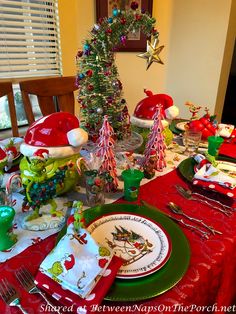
(105, 150)
(155, 147)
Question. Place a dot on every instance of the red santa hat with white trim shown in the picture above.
(146, 108)
(59, 133)
(3, 155)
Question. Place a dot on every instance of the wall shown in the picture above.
(194, 35)
(198, 37)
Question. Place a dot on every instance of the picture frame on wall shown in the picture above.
(136, 42)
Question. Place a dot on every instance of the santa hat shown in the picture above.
(146, 108)
(41, 154)
(58, 132)
(3, 155)
(69, 262)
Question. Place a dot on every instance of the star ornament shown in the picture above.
(152, 53)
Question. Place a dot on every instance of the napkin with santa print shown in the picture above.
(78, 270)
(209, 176)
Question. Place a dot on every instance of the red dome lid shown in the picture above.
(146, 108)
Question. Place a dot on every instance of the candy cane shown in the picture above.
(9, 182)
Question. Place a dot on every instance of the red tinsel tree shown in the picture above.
(105, 150)
(155, 147)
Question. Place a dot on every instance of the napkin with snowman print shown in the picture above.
(78, 270)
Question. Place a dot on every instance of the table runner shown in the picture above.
(210, 279)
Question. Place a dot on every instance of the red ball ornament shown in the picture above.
(122, 20)
(138, 17)
(101, 19)
(134, 5)
(89, 73)
(79, 54)
(90, 87)
(154, 31)
(109, 31)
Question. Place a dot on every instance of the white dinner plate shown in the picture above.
(142, 243)
(181, 125)
(227, 167)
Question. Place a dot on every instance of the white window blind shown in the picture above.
(29, 38)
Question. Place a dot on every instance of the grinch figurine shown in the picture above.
(49, 166)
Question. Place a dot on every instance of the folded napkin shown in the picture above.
(225, 130)
(78, 270)
(210, 177)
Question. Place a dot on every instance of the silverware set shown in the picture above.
(194, 196)
(11, 296)
(176, 209)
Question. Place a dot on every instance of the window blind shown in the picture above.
(29, 38)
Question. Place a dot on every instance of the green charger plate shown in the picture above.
(186, 168)
(162, 280)
(173, 128)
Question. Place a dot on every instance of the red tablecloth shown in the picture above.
(209, 281)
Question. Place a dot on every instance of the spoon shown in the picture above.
(188, 194)
(178, 210)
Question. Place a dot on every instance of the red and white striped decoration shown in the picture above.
(105, 150)
(156, 144)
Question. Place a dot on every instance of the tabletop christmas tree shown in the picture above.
(154, 154)
(100, 90)
(105, 150)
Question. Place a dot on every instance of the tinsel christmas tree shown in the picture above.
(154, 154)
(100, 90)
(105, 151)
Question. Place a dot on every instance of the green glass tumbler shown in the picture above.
(214, 143)
(132, 179)
(7, 239)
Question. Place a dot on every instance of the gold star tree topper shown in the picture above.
(152, 53)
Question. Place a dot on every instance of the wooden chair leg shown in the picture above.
(13, 117)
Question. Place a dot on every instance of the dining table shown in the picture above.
(207, 284)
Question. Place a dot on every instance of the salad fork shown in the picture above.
(9, 295)
(27, 281)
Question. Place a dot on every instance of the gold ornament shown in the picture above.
(152, 53)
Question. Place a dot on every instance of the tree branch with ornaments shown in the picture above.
(100, 90)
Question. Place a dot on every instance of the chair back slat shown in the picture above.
(7, 90)
(53, 94)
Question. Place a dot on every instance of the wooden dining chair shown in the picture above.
(53, 94)
(6, 90)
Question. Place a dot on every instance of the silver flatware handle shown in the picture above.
(198, 230)
(225, 212)
(203, 233)
(215, 201)
(22, 309)
(202, 223)
(47, 301)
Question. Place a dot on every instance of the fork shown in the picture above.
(27, 281)
(10, 295)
